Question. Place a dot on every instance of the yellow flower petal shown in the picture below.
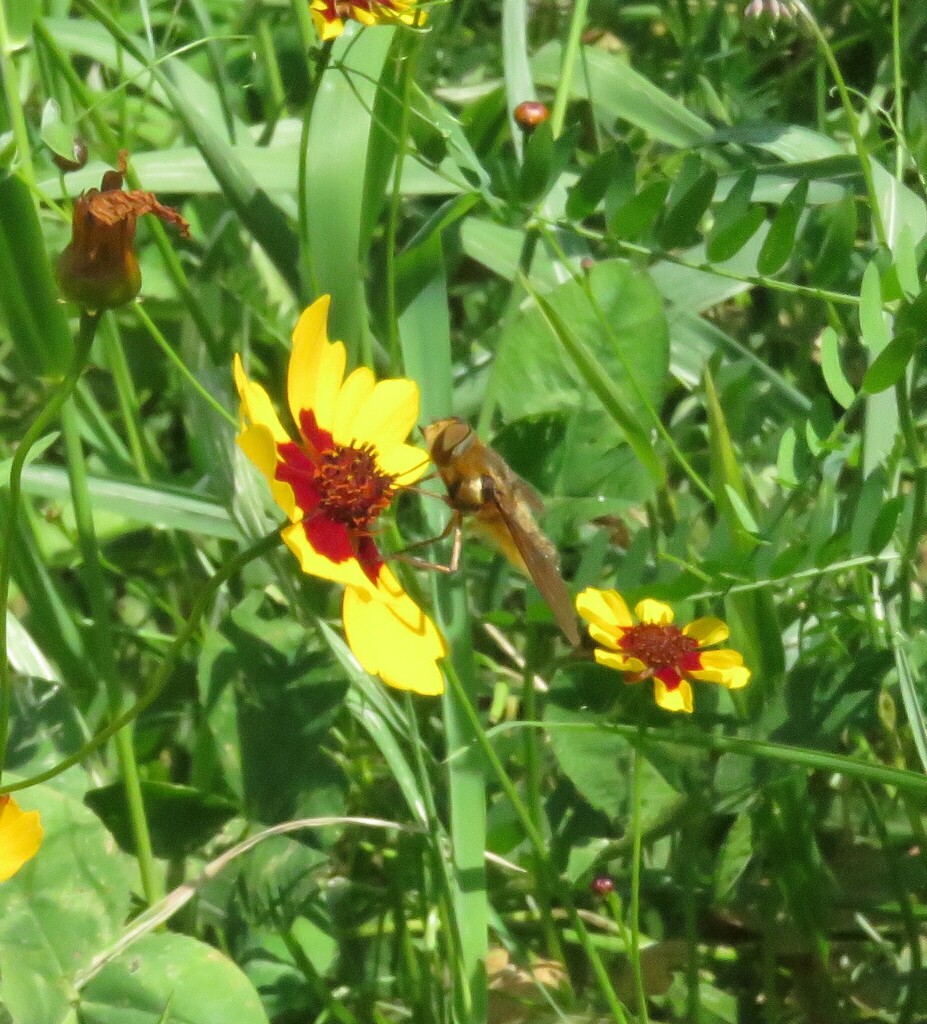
(405, 462)
(679, 699)
(707, 631)
(621, 662)
(20, 837)
(725, 667)
(607, 637)
(394, 639)
(256, 407)
(258, 444)
(388, 415)
(312, 563)
(354, 393)
(655, 612)
(606, 608)
(326, 29)
(316, 366)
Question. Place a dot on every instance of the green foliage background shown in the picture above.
(689, 309)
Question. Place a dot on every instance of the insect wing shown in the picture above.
(540, 559)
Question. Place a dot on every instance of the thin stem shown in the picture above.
(898, 105)
(188, 374)
(915, 528)
(206, 595)
(13, 104)
(128, 400)
(568, 67)
(859, 144)
(636, 832)
(757, 280)
(101, 608)
(88, 327)
(532, 749)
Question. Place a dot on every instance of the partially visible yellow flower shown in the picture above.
(99, 268)
(654, 648)
(329, 16)
(349, 461)
(20, 836)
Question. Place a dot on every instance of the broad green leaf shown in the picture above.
(180, 818)
(25, 655)
(62, 908)
(735, 854)
(785, 460)
(29, 299)
(780, 240)
(906, 263)
(550, 358)
(199, 983)
(831, 367)
(868, 506)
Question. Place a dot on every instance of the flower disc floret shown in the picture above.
(654, 648)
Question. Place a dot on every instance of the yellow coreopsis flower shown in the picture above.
(20, 836)
(654, 648)
(329, 16)
(349, 461)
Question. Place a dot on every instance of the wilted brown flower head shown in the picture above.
(99, 269)
(530, 114)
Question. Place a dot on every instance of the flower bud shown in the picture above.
(99, 269)
(77, 159)
(602, 885)
(530, 114)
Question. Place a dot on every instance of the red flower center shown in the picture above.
(659, 646)
(352, 488)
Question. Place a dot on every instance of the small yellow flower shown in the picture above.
(654, 648)
(349, 461)
(99, 268)
(329, 16)
(20, 836)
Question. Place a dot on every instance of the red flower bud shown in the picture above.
(530, 114)
(602, 885)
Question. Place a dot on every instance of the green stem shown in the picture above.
(188, 374)
(815, 760)
(101, 609)
(538, 846)
(636, 832)
(915, 528)
(898, 85)
(128, 400)
(11, 92)
(88, 327)
(853, 121)
(568, 67)
(203, 601)
(535, 802)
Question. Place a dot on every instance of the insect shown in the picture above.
(481, 484)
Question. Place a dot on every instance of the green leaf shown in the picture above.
(780, 240)
(200, 984)
(728, 240)
(29, 299)
(906, 263)
(60, 909)
(890, 364)
(873, 328)
(831, 367)
(785, 461)
(736, 853)
(638, 215)
(613, 170)
(181, 819)
(689, 198)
